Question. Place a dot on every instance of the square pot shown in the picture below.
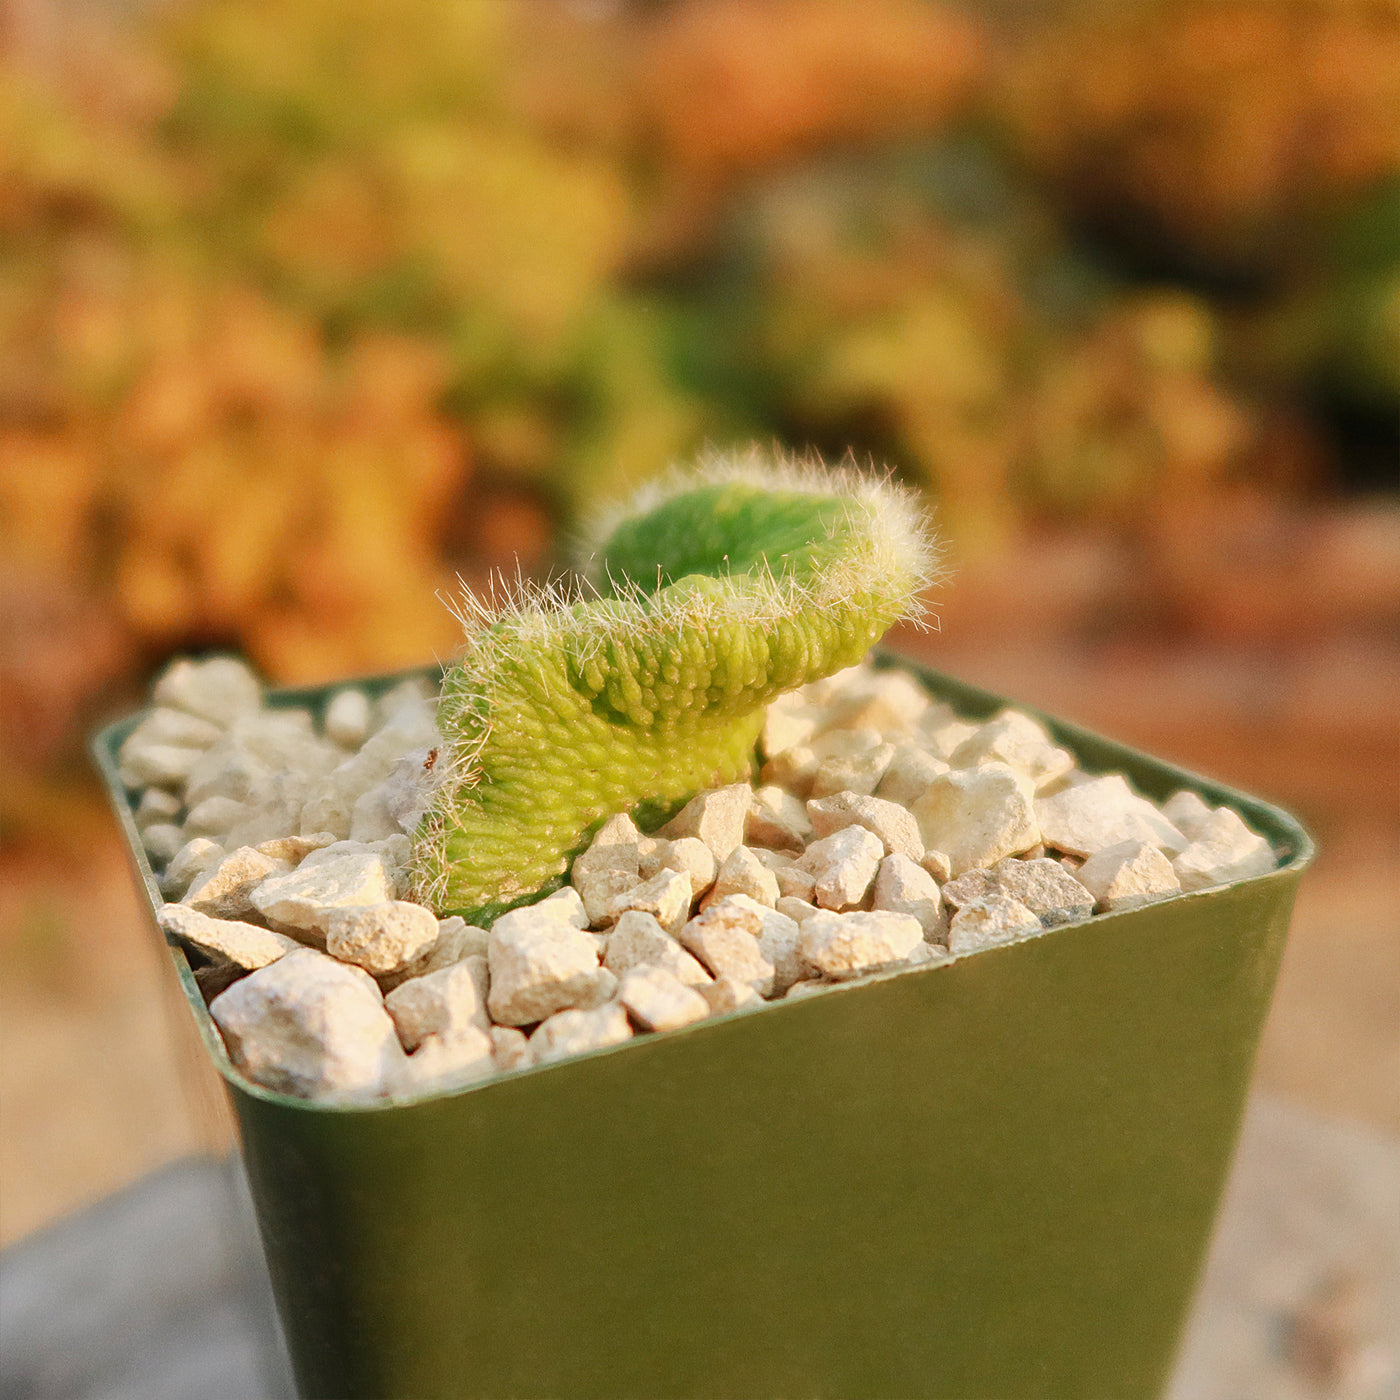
(994, 1177)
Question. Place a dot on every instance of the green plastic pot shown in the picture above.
(994, 1177)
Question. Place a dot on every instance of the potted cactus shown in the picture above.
(983, 1160)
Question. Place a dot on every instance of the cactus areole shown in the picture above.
(708, 595)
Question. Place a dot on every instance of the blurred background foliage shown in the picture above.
(308, 306)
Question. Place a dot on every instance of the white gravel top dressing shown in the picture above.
(883, 831)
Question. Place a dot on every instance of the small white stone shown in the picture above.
(609, 866)
(796, 909)
(310, 1026)
(456, 940)
(443, 1003)
(447, 1061)
(938, 865)
(1187, 811)
(228, 940)
(843, 866)
(1102, 812)
(795, 882)
(725, 939)
(943, 732)
(1127, 875)
(725, 994)
(716, 817)
(666, 896)
(975, 884)
(1223, 849)
(295, 848)
(841, 946)
(304, 899)
(988, 921)
(1046, 888)
(691, 856)
(565, 904)
(978, 815)
(226, 890)
(163, 842)
(348, 718)
(793, 770)
(777, 820)
(889, 701)
(511, 1048)
(164, 726)
(904, 887)
(157, 806)
(219, 689)
(778, 945)
(658, 1001)
(893, 824)
(928, 952)
(157, 765)
(539, 965)
(638, 940)
(215, 816)
(861, 772)
(743, 873)
(189, 864)
(574, 1032)
(910, 772)
(381, 938)
(1020, 742)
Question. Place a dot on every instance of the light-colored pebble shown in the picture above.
(988, 921)
(163, 842)
(157, 765)
(841, 946)
(904, 887)
(690, 855)
(348, 718)
(157, 806)
(219, 689)
(860, 772)
(511, 1048)
(795, 882)
(1020, 742)
(843, 867)
(295, 848)
(609, 866)
(743, 873)
(910, 772)
(716, 817)
(1222, 849)
(893, 824)
(1102, 812)
(444, 1062)
(566, 904)
(658, 1001)
(938, 865)
(725, 939)
(310, 1026)
(889, 701)
(978, 815)
(227, 890)
(216, 816)
(638, 940)
(381, 938)
(574, 1032)
(1127, 875)
(227, 940)
(189, 864)
(943, 732)
(443, 1003)
(1045, 887)
(975, 884)
(725, 994)
(303, 899)
(539, 965)
(796, 909)
(1187, 811)
(777, 820)
(666, 896)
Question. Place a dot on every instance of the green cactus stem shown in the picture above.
(710, 594)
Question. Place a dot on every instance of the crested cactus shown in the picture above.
(708, 596)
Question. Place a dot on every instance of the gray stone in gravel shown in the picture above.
(1128, 875)
(658, 1001)
(442, 1003)
(381, 938)
(310, 1026)
(1046, 887)
(574, 1032)
(991, 920)
(227, 889)
(893, 824)
(841, 946)
(227, 940)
